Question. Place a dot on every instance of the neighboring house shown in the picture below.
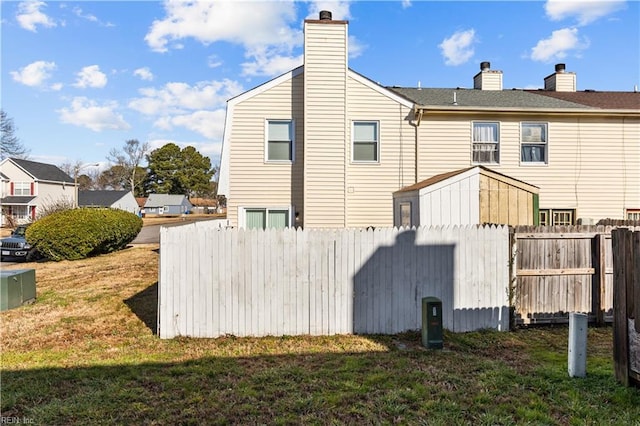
(29, 186)
(323, 146)
(204, 205)
(123, 200)
(472, 196)
(161, 204)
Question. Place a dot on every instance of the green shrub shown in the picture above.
(85, 232)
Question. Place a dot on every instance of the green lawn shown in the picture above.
(85, 353)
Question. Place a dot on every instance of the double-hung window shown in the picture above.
(366, 142)
(262, 218)
(533, 143)
(22, 188)
(280, 141)
(486, 142)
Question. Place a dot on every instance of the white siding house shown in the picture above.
(323, 146)
(29, 186)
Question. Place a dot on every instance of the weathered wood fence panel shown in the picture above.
(320, 282)
(626, 324)
(561, 270)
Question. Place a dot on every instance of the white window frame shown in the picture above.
(475, 142)
(524, 143)
(292, 141)
(354, 142)
(551, 216)
(22, 187)
(632, 214)
(242, 214)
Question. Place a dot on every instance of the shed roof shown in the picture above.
(479, 169)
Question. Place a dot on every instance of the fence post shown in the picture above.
(620, 323)
(577, 364)
(598, 280)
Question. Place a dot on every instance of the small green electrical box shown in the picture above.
(431, 323)
(17, 287)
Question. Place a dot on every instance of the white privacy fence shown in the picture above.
(215, 281)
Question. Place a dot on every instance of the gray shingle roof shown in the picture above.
(17, 199)
(483, 98)
(42, 171)
(99, 198)
(160, 200)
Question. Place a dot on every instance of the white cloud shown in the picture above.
(267, 63)
(268, 31)
(29, 16)
(458, 48)
(246, 23)
(213, 61)
(84, 112)
(558, 45)
(144, 73)
(209, 124)
(91, 76)
(178, 98)
(340, 10)
(585, 11)
(35, 74)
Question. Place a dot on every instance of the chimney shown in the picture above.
(561, 80)
(325, 128)
(487, 79)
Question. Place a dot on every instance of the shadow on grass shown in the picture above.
(145, 306)
(404, 384)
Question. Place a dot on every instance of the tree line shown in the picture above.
(168, 169)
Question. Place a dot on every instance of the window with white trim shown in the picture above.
(263, 218)
(366, 142)
(280, 144)
(533, 143)
(22, 188)
(633, 214)
(486, 142)
(556, 217)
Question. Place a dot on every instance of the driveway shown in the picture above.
(150, 234)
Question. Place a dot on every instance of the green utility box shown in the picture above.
(17, 287)
(431, 323)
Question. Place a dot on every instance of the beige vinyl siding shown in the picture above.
(325, 69)
(592, 167)
(370, 185)
(254, 182)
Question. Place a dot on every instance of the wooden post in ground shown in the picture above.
(620, 323)
(598, 283)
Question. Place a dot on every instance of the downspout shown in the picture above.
(418, 112)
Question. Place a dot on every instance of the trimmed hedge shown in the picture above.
(84, 232)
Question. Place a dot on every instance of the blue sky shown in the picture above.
(81, 78)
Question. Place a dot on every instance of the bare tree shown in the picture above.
(129, 157)
(11, 146)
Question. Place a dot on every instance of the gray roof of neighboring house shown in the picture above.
(100, 198)
(3, 176)
(484, 98)
(160, 200)
(42, 171)
(17, 199)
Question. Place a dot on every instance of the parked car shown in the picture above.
(16, 246)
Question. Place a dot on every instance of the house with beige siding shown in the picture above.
(322, 146)
(29, 186)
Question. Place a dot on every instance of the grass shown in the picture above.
(86, 353)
